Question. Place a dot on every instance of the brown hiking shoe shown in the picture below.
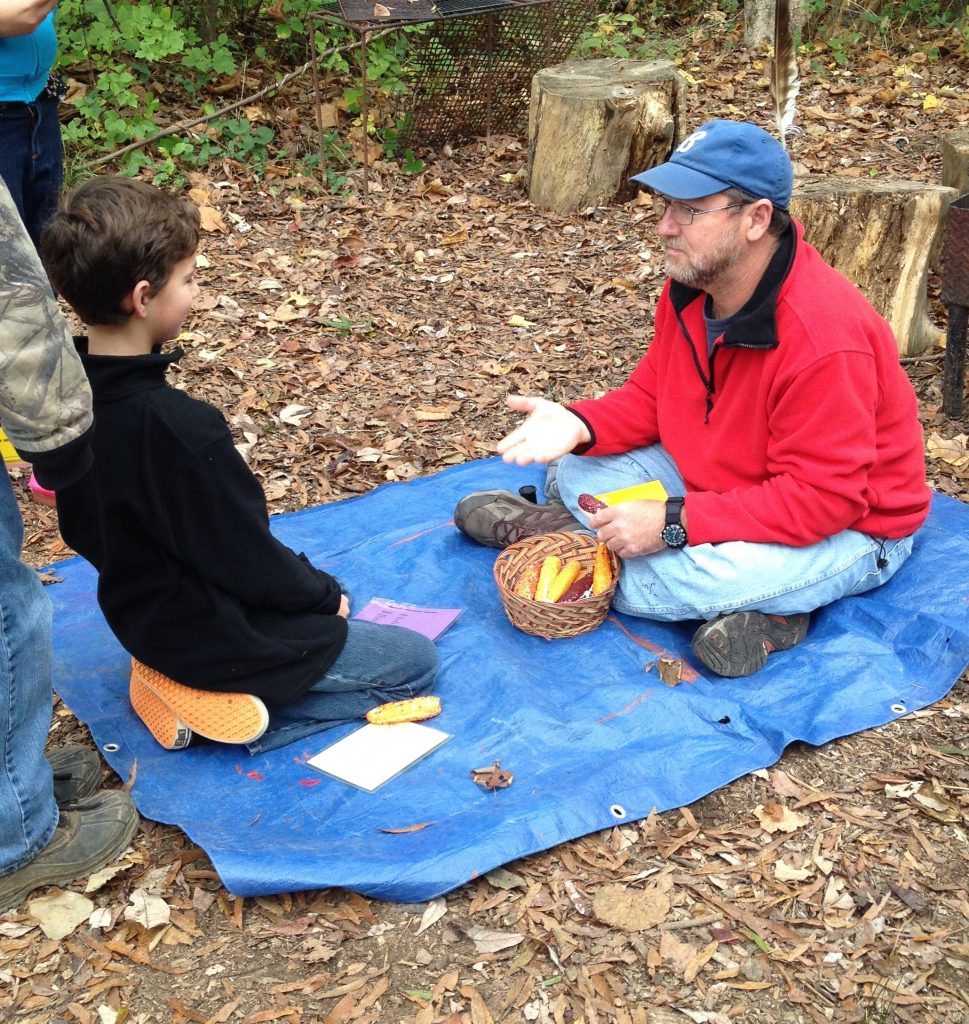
(223, 717)
(499, 518)
(91, 833)
(77, 772)
(738, 644)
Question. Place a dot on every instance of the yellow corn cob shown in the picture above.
(566, 577)
(550, 569)
(527, 582)
(601, 571)
(414, 710)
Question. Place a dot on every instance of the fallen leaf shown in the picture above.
(670, 671)
(775, 817)
(211, 220)
(501, 878)
(493, 778)
(405, 829)
(519, 321)
(631, 910)
(433, 913)
(379, 11)
(60, 913)
(487, 941)
(147, 910)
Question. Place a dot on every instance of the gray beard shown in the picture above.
(705, 273)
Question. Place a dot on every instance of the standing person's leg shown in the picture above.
(28, 813)
(45, 175)
(32, 160)
(379, 664)
(40, 845)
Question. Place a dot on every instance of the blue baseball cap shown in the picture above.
(721, 155)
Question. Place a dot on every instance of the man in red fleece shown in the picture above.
(770, 404)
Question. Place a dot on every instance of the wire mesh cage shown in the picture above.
(471, 66)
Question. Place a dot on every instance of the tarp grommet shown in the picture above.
(617, 811)
(899, 709)
(112, 748)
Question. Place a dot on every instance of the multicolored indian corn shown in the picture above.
(601, 571)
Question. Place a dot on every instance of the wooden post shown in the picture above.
(594, 123)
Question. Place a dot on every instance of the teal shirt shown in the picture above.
(25, 62)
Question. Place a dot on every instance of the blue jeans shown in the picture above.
(379, 664)
(702, 581)
(28, 814)
(32, 160)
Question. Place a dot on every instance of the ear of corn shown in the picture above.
(579, 591)
(550, 569)
(527, 582)
(566, 576)
(414, 710)
(601, 571)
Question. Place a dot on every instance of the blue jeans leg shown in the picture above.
(28, 813)
(704, 580)
(379, 664)
(32, 160)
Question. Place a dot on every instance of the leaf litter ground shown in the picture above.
(356, 341)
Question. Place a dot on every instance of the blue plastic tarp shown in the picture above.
(592, 735)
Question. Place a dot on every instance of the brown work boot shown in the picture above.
(499, 518)
(738, 644)
(77, 772)
(91, 833)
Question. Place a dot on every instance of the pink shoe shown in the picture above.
(41, 494)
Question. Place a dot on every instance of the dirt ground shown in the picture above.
(356, 340)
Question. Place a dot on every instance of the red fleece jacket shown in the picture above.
(806, 424)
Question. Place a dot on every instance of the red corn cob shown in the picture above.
(579, 591)
(601, 571)
(590, 504)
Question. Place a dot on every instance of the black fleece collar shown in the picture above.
(115, 377)
(754, 325)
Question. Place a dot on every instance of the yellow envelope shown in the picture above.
(652, 490)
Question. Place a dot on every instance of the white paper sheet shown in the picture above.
(374, 754)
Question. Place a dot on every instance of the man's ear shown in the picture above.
(760, 218)
(136, 301)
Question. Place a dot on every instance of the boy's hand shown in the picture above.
(550, 432)
(344, 611)
(20, 17)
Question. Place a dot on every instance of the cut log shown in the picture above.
(955, 161)
(880, 235)
(593, 123)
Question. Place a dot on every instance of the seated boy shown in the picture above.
(190, 578)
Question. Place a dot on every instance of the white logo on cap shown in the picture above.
(690, 141)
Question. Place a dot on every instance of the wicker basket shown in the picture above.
(540, 618)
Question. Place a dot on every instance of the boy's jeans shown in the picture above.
(379, 664)
(28, 813)
(702, 581)
(31, 160)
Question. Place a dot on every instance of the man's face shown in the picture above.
(698, 254)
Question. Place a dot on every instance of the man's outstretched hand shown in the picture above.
(549, 432)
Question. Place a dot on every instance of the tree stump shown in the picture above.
(955, 161)
(881, 236)
(593, 123)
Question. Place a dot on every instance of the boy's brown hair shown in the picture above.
(109, 234)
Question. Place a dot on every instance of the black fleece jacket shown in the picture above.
(191, 580)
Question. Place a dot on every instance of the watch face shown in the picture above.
(674, 536)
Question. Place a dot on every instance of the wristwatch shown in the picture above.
(673, 534)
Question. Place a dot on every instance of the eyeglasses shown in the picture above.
(683, 214)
